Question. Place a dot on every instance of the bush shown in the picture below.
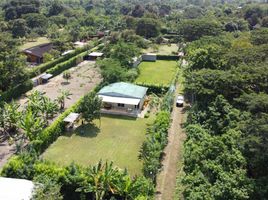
(51, 133)
(167, 57)
(152, 149)
(16, 91)
(67, 64)
(76, 180)
(46, 66)
(153, 88)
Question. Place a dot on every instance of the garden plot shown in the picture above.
(84, 78)
(163, 49)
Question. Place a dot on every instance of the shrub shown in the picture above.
(167, 57)
(67, 64)
(153, 88)
(16, 91)
(46, 66)
(152, 149)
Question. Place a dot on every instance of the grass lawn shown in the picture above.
(37, 41)
(159, 72)
(119, 139)
(163, 49)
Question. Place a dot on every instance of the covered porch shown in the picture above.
(120, 106)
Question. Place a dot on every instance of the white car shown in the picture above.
(180, 101)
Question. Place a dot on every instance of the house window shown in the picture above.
(121, 105)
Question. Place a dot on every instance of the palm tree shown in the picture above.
(34, 100)
(64, 94)
(48, 108)
(102, 180)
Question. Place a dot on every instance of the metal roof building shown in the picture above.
(123, 98)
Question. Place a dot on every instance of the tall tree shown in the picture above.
(90, 107)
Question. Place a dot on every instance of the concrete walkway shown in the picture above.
(166, 180)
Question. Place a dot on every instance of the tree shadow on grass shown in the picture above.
(87, 130)
(121, 117)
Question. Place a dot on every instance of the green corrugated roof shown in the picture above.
(122, 89)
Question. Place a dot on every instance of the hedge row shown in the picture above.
(154, 88)
(152, 149)
(46, 66)
(167, 57)
(56, 129)
(74, 180)
(59, 68)
(16, 91)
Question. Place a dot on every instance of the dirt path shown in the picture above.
(166, 181)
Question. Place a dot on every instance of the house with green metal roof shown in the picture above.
(123, 98)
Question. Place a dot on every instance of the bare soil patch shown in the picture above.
(166, 180)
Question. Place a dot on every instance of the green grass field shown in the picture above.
(159, 72)
(163, 49)
(119, 139)
(37, 41)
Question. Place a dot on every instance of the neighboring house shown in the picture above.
(16, 189)
(36, 54)
(123, 99)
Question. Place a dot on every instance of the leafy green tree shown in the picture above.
(47, 57)
(214, 163)
(193, 29)
(192, 12)
(260, 36)
(20, 28)
(55, 8)
(148, 27)
(16, 8)
(124, 52)
(111, 70)
(138, 11)
(36, 21)
(90, 107)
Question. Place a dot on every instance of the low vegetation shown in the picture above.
(159, 73)
(111, 138)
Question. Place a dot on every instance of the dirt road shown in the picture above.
(166, 181)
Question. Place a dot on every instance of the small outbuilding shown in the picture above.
(36, 54)
(149, 57)
(16, 189)
(41, 79)
(123, 99)
(94, 56)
